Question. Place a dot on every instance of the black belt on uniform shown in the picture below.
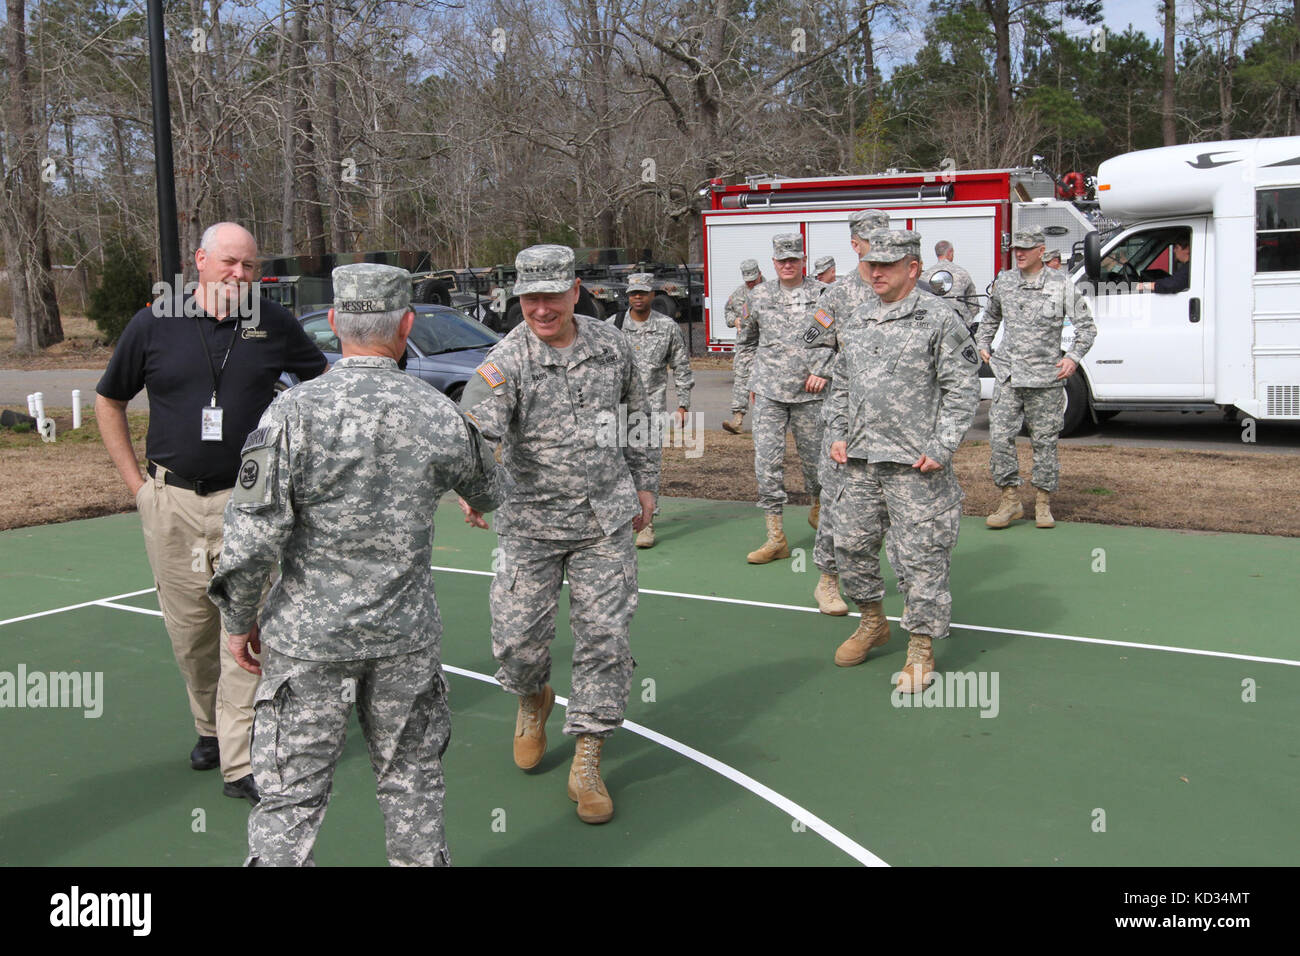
(198, 487)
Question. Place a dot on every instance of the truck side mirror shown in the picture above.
(1092, 256)
(941, 282)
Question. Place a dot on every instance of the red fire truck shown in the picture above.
(976, 211)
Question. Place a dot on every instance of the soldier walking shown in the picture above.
(904, 392)
(787, 395)
(547, 394)
(338, 483)
(737, 311)
(1029, 370)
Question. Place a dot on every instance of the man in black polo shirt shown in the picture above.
(210, 362)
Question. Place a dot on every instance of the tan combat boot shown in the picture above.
(828, 597)
(530, 727)
(873, 631)
(1009, 508)
(774, 547)
(736, 424)
(645, 538)
(815, 515)
(918, 669)
(1043, 509)
(585, 785)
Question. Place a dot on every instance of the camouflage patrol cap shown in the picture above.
(640, 282)
(545, 268)
(890, 245)
(822, 264)
(788, 245)
(370, 287)
(749, 270)
(866, 221)
(1051, 254)
(1027, 238)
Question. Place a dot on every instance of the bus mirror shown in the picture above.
(1092, 256)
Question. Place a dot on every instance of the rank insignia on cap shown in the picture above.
(823, 318)
(491, 374)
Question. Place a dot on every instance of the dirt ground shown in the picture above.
(82, 347)
(1146, 487)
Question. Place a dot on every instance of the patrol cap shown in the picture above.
(640, 282)
(890, 245)
(749, 270)
(1052, 254)
(866, 221)
(1027, 238)
(371, 287)
(822, 264)
(545, 268)
(788, 245)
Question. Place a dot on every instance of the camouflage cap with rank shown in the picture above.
(822, 264)
(545, 268)
(890, 245)
(1027, 238)
(749, 270)
(866, 221)
(788, 245)
(640, 282)
(369, 287)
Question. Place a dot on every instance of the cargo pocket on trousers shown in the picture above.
(268, 749)
(941, 530)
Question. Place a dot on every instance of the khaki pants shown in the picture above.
(182, 536)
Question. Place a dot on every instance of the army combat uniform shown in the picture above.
(1035, 310)
(735, 314)
(339, 483)
(657, 345)
(773, 335)
(962, 298)
(570, 508)
(905, 385)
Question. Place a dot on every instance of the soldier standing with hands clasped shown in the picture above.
(338, 485)
(1029, 371)
(547, 393)
(904, 392)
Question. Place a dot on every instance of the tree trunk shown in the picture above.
(1000, 15)
(285, 66)
(1167, 98)
(333, 138)
(305, 164)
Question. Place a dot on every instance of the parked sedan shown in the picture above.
(444, 348)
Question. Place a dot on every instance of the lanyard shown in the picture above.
(216, 373)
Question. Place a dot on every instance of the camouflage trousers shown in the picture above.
(299, 728)
(602, 599)
(741, 363)
(922, 514)
(771, 421)
(1043, 412)
(831, 474)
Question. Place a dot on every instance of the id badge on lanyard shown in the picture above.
(210, 429)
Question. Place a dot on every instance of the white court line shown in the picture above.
(806, 817)
(961, 627)
(784, 804)
(74, 607)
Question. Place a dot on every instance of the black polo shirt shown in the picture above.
(165, 354)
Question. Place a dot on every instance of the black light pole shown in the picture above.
(169, 254)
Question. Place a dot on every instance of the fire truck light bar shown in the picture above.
(778, 199)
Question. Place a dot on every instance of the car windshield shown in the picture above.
(449, 331)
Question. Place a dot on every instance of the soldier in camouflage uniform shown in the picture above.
(657, 346)
(962, 298)
(338, 484)
(737, 311)
(824, 270)
(1052, 259)
(1029, 372)
(787, 395)
(548, 394)
(904, 392)
(836, 305)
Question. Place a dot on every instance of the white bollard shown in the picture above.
(40, 405)
(76, 408)
(31, 404)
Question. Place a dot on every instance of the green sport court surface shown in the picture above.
(1120, 703)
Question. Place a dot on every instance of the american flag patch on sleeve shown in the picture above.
(491, 374)
(823, 318)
